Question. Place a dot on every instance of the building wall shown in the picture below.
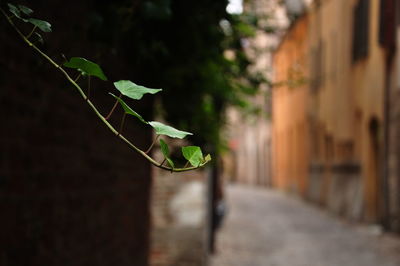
(249, 141)
(342, 107)
(393, 163)
(351, 104)
(249, 160)
(368, 82)
(342, 92)
(289, 111)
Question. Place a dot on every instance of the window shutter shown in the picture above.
(361, 30)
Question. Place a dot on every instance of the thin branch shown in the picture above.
(91, 105)
(30, 34)
(77, 77)
(121, 126)
(113, 108)
(88, 90)
(152, 144)
(163, 162)
(186, 164)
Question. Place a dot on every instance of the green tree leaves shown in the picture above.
(169, 131)
(165, 152)
(127, 109)
(14, 10)
(41, 24)
(192, 154)
(132, 90)
(39, 38)
(195, 156)
(86, 67)
(20, 11)
(26, 10)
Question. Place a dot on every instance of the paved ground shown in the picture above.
(266, 228)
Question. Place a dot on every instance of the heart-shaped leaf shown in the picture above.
(132, 90)
(26, 10)
(86, 66)
(165, 152)
(129, 110)
(193, 154)
(39, 37)
(164, 148)
(41, 24)
(169, 131)
(14, 10)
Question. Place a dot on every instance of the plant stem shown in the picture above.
(163, 162)
(122, 124)
(30, 34)
(76, 79)
(91, 105)
(88, 90)
(113, 108)
(186, 164)
(152, 144)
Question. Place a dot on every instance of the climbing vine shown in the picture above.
(86, 69)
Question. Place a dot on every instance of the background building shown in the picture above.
(290, 96)
(389, 38)
(332, 112)
(249, 161)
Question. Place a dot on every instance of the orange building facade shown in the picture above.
(329, 109)
(289, 106)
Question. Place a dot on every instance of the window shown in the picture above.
(361, 30)
(387, 23)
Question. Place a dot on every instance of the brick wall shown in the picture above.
(70, 192)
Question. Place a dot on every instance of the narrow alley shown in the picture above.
(268, 228)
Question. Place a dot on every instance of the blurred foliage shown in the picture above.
(179, 46)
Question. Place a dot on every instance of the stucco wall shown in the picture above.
(289, 110)
(341, 106)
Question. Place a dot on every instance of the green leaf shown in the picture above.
(170, 162)
(86, 67)
(132, 90)
(165, 151)
(39, 37)
(129, 110)
(164, 148)
(41, 24)
(26, 10)
(14, 10)
(169, 131)
(193, 154)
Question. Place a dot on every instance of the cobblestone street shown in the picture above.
(267, 228)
